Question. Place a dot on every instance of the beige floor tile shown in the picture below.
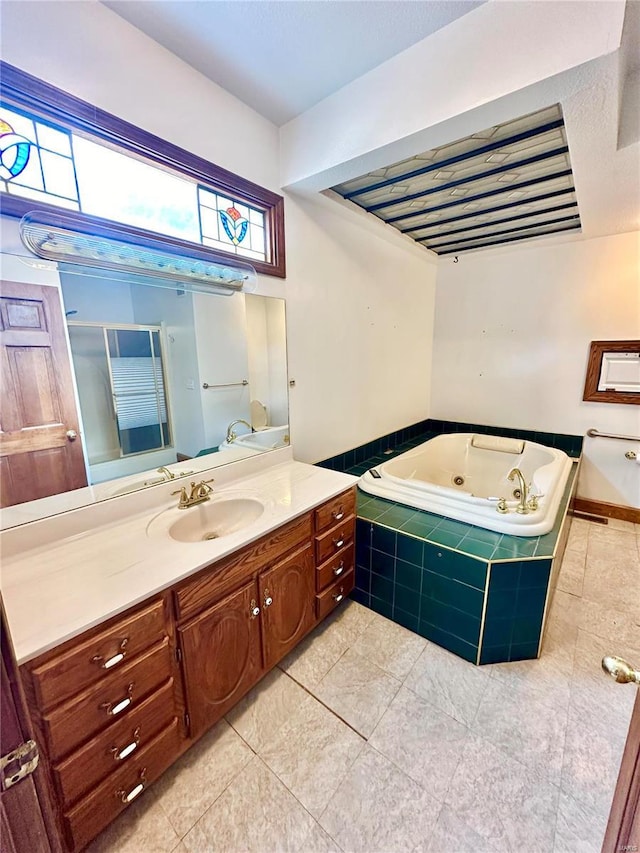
(571, 576)
(619, 524)
(192, 784)
(612, 578)
(548, 679)
(452, 835)
(318, 841)
(264, 709)
(180, 849)
(350, 620)
(390, 646)
(579, 829)
(309, 662)
(358, 691)
(255, 813)
(311, 753)
(142, 826)
(622, 539)
(421, 740)
(611, 624)
(509, 805)
(565, 607)
(379, 808)
(448, 682)
(530, 732)
(592, 755)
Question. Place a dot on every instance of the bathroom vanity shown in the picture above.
(116, 698)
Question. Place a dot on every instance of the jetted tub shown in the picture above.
(463, 476)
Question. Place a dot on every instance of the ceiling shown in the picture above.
(281, 57)
(505, 184)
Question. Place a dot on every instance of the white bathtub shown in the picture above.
(425, 478)
(269, 438)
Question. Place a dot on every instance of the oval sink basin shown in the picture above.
(215, 519)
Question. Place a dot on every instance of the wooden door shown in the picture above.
(623, 829)
(26, 814)
(287, 596)
(221, 656)
(40, 446)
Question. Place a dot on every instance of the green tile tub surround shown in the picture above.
(481, 595)
(359, 459)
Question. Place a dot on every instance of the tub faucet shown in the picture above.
(231, 436)
(522, 507)
(166, 472)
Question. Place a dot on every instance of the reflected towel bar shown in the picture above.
(225, 384)
(595, 434)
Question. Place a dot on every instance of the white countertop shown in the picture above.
(63, 575)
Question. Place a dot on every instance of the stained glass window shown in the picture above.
(104, 167)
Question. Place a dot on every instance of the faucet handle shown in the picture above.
(184, 499)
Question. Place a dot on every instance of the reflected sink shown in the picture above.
(214, 519)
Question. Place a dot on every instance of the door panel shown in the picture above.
(287, 597)
(40, 446)
(623, 829)
(221, 656)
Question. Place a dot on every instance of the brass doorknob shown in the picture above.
(620, 670)
(72, 434)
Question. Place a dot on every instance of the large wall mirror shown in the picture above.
(166, 382)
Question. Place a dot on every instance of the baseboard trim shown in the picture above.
(624, 513)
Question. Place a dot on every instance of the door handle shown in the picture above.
(620, 670)
(72, 434)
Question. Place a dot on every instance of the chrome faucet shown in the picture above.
(231, 436)
(522, 507)
(199, 492)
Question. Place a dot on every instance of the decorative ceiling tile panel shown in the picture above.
(509, 182)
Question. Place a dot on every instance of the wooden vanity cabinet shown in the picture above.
(116, 706)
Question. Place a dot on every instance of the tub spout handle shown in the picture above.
(501, 506)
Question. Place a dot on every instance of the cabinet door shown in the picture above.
(221, 656)
(287, 602)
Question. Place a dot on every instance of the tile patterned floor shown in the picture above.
(369, 738)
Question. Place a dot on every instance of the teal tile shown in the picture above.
(497, 632)
(407, 600)
(396, 516)
(383, 607)
(530, 603)
(457, 527)
(513, 547)
(382, 588)
(360, 596)
(501, 604)
(495, 654)
(417, 526)
(452, 593)
(534, 574)
(410, 550)
(479, 534)
(408, 575)
(504, 576)
(455, 566)
(450, 619)
(476, 548)
(526, 630)
(383, 564)
(452, 643)
(384, 540)
(443, 537)
(371, 511)
(523, 651)
(407, 620)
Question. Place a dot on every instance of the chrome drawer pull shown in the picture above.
(114, 660)
(254, 609)
(338, 542)
(339, 515)
(338, 598)
(133, 793)
(339, 569)
(125, 752)
(115, 708)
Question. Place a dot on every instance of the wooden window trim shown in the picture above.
(32, 94)
(594, 366)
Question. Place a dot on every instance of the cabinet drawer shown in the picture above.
(333, 540)
(225, 577)
(334, 595)
(88, 662)
(338, 565)
(91, 711)
(104, 803)
(121, 743)
(335, 510)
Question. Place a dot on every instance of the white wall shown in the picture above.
(359, 297)
(512, 335)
